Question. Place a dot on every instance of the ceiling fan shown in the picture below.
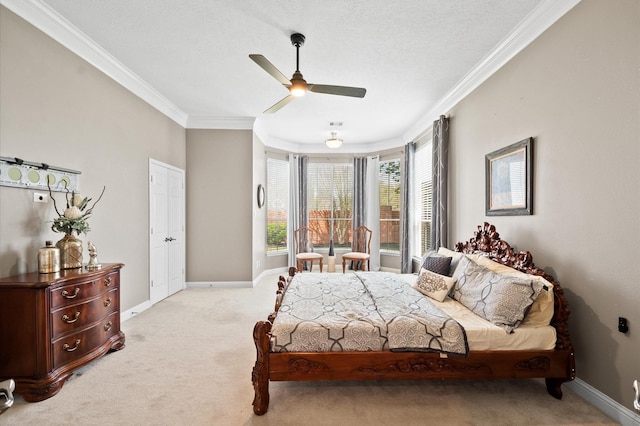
(297, 86)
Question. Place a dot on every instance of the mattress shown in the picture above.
(356, 324)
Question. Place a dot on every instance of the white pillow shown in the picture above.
(434, 285)
(455, 258)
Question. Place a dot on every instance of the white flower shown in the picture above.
(73, 213)
(77, 200)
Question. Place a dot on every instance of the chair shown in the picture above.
(303, 237)
(361, 244)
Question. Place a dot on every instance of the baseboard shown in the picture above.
(220, 284)
(284, 271)
(611, 408)
(129, 313)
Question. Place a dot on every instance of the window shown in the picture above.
(389, 187)
(277, 205)
(423, 192)
(329, 202)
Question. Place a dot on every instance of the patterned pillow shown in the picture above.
(501, 299)
(438, 264)
(541, 311)
(436, 286)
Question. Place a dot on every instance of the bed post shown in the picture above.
(260, 373)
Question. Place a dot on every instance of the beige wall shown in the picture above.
(220, 202)
(58, 109)
(576, 91)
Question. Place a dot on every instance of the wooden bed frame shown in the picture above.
(555, 366)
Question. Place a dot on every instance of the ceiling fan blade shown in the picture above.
(356, 92)
(270, 68)
(280, 104)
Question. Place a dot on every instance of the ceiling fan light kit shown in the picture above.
(297, 86)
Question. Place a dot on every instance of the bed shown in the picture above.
(481, 349)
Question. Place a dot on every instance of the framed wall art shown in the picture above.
(509, 183)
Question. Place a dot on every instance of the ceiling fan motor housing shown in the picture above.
(297, 39)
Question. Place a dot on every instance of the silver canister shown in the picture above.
(49, 259)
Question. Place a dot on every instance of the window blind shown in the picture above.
(277, 204)
(330, 203)
(423, 193)
(389, 187)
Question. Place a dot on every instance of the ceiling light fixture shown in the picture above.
(333, 142)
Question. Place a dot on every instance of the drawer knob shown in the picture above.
(66, 294)
(107, 302)
(107, 281)
(68, 348)
(69, 320)
(108, 326)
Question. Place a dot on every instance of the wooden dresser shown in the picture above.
(51, 324)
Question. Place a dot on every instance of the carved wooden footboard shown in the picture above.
(556, 366)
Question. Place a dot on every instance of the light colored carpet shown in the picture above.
(188, 361)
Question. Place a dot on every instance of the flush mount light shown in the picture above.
(333, 142)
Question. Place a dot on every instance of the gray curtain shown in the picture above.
(298, 214)
(440, 141)
(408, 170)
(359, 191)
(359, 200)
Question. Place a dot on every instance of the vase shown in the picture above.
(70, 252)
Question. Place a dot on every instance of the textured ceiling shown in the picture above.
(407, 54)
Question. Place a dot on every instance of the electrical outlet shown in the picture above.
(623, 325)
(39, 197)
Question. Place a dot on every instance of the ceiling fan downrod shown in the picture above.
(297, 40)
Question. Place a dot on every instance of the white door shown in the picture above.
(176, 232)
(166, 232)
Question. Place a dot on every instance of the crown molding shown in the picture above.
(531, 27)
(41, 16)
(210, 122)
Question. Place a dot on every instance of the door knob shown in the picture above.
(166, 240)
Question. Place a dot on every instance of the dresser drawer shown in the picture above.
(72, 317)
(73, 293)
(74, 346)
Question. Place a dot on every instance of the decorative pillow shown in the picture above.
(438, 264)
(455, 258)
(541, 311)
(434, 285)
(503, 300)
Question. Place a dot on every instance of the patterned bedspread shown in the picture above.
(362, 311)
